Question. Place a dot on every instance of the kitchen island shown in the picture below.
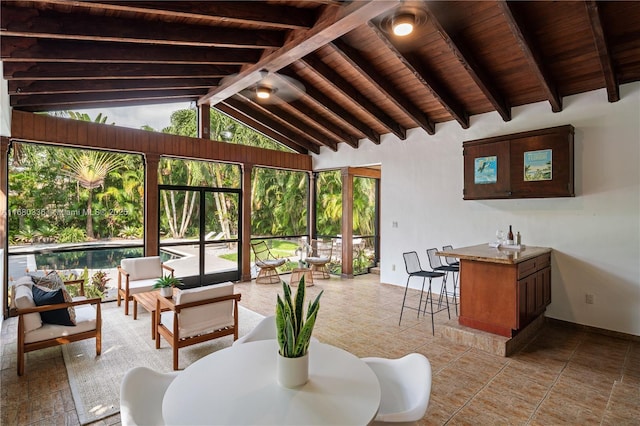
(502, 290)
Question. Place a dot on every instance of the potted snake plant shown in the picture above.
(166, 284)
(294, 335)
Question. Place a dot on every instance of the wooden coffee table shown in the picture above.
(148, 301)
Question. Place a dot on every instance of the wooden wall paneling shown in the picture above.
(75, 133)
(39, 125)
(92, 132)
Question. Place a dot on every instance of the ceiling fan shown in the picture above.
(272, 88)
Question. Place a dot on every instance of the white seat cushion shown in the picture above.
(85, 321)
(205, 318)
(140, 286)
(270, 263)
(23, 299)
(142, 268)
(317, 260)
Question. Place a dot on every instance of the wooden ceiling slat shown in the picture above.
(74, 26)
(382, 84)
(613, 90)
(339, 83)
(532, 54)
(18, 49)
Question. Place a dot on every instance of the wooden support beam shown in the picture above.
(332, 107)
(363, 66)
(600, 40)
(338, 132)
(59, 71)
(532, 54)
(276, 126)
(247, 168)
(259, 127)
(27, 22)
(334, 22)
(204, 122)
(339, 83)
(31, 49)
(151, 205)
(413, 63)
(476, 72)
(347, 223)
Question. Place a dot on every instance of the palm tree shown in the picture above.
(89, 169)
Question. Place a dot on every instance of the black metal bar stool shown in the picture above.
(412, 265)
(436, 265)
(454, 263)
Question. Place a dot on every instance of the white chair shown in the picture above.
(405, 384)
(265, 330)
(140, 274)
(197, 315)
(141, 393)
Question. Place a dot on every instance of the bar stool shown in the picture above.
(436, 265)
(454, 262)
(412, 265)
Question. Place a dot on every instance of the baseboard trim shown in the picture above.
(591, 329)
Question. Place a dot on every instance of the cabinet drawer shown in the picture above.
(530, 266)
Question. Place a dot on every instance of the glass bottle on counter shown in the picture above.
(510, 236)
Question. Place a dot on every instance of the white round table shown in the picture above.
(238, 386)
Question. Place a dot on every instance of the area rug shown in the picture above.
(95, 380)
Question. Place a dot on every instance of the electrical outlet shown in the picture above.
(589, 299)
(393, 267)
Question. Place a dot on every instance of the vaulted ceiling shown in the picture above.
(355, 78)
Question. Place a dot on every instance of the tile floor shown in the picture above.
(566, 375)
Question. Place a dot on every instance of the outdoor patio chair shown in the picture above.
(320, 257)
(267, 262)
(50, 317)
(140, 274)
(197, 315)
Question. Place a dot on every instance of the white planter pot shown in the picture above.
(166, 291)
(293, 372)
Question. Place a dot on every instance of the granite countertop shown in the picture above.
(484, 253)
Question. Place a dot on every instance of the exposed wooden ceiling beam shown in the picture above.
(363, 66)
(250, 111)
(29, 23)
(18, 49)
(236, 12)
(44, 87)
(74, 71)
(330, 106)
(334, 22)
(286, 119)
(107, 97)
(476, 72)
(599, 39)
(339, 133)
(339, 83)
(259, 127)
(532, 54)
(413, 63)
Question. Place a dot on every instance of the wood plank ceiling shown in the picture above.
(360, 81)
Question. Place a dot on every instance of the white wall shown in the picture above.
(595, 236)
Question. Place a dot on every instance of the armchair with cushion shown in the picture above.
(50, 317)
(138, 275)
(197, 315)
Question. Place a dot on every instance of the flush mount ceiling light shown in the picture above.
(402, 25)
(404, 21)
(264, 92)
